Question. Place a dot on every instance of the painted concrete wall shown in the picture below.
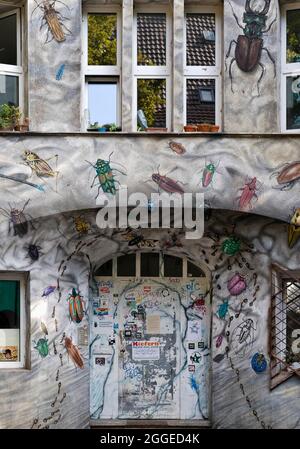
(66, 255)
(55, 105)
(236, 162)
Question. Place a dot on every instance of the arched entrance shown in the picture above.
(150, 341)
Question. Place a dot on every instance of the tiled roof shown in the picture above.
(152, 34)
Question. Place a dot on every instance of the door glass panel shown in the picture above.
(151, 39)
(149, 265)
(8, 40)
(200, 39)
(9, 90)
(126, 265)
(102, 39)
(293, 36)
(9, 321)
(172, 266)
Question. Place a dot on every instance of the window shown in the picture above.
(290, 79)
(12, 321)
(202, 66)
(152, 68)
(149, 264)
(102, 62)
(285, 325)
(11, 72)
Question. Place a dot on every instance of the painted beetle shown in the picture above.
(258, 362)
(287, 176)
(104, 174)
(208, 174)
(81, 225)
(42, 347)
(48, 290)
(33, 251)
(73, 353)
(167, 184)
(178, 148)
(236, 284)
(231, 246)
(53, 19)
(249, 47)
(249, 191)
(76, 306)
(18, 219)
(223, 309)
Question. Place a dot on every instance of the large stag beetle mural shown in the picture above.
(249, 47)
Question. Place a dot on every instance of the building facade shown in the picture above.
(143, 326)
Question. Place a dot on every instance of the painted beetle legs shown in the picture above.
(271, 58)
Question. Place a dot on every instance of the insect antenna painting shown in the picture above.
(53, 20)
(18, 219)
(40, 166)
(249, 47)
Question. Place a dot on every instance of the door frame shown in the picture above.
(160, 423)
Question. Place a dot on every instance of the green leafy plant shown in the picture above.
(10, 116)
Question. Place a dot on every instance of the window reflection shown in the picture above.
(293, 36)
(102, 39)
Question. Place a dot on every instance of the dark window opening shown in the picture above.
(173, 266)
(106, 269)
(194, 271)
(149, 265)
(126, 265)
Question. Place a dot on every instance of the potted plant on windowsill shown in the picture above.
(207, 128)
(8, 117)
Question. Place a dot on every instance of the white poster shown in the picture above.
(145, 350)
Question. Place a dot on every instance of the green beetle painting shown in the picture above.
(104, 174)
(231, 246)
(42, 347)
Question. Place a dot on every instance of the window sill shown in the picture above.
(150, 134)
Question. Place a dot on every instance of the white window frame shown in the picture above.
(15, 70)
(206, 72)
(100, 72)
(291, 69)
(153, 72)
(10, 276)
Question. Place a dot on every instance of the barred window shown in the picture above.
(285, 325)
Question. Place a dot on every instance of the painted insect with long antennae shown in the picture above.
(40, 166)
(167, 184)
(53, 19)
(104, 174)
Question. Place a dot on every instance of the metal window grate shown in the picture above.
(285, 324)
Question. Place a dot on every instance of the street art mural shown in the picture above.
(249, 46)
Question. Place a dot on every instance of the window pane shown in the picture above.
(172, 266)
(293, 102)
(102, 98)
(293, 36)
(292, 322)
(8, 40)
(149, 264)
(126, 265)
(151, 39)
(194, 271)
(200, 101)
(200, 39)
(9, 90)
(9, 321)
(102, 39)
(151, 94)
(105, 269)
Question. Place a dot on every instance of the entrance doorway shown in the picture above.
(150, 341)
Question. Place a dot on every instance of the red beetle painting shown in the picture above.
(73, 353)
(248, 193)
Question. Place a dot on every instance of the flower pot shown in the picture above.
(204, 127)
(190, 128)
(156, 130)
(214, 128)
(22, 128)
(8, 128)
(102, 130)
